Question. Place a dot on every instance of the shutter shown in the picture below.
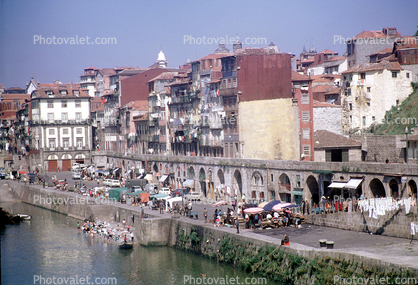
(327, 155)
(344, 155)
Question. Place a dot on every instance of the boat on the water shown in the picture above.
(24, 217)
(125, 245)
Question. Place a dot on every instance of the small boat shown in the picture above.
(125, 245)
(24, 217)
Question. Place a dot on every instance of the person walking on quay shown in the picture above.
(303, 207)
(307, 207)
(161, 207)
(237, 224)
(215, 214)
(205, 214)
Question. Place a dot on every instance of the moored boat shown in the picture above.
(125, 245)
(24, 217)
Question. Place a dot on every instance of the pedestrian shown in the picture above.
(303, 207)
(234, 203)
(161, 207)
(237, 224)
(307, 207)
(78, 225)
(205, 214)
(285, 240)
(215, 214)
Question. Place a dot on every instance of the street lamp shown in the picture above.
(406, 147)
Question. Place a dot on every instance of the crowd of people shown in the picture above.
(104, 230)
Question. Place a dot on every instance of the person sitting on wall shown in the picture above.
(285, 240)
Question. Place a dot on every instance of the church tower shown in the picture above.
(161, 61)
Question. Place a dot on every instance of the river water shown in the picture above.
(50, 250)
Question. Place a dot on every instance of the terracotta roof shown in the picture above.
(335, 91)
(407, 43)
(91, 67)
(140, 117)
(384, 64)
(213, 56)
(164, 76)
(2, 86)
(375, 34)
(41, 92)
(327, 51)
(140, 105)
(322, 88)
(13, 97)
(107, 71)
(335, 58)
(383, 51)
(327, 139)
(319, 104)
(296, 76)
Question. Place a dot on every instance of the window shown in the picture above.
(64, 103)
(78, 103)
(50, 93)
(271, 175)
(306, 134)
(65, 131)
(306, 150)
(349, 92)
(63, 92)
(368, 104)
(52, 143)
(373, 118)
(350, 106)
(79, 131)
(397, 102)
(76, 93)
(50, 117)
(78, 116)
(305, 99)
(351, 119)
(64, 116)
(364, 121)
(50, 104)
(369, 89)
(394, 74)
(305, 116)
(363, 75)
(407, 75)
(297, 180)
(51, 132)
(66, 143)
(79, 142)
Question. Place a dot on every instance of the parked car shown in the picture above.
(191, 196)
(165, 190)
(111, 183)
(178, 192)
(3, 173)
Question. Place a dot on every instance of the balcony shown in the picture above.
(228, 92)
(143, 138)
(153, 138)
(162, 123)
(204, 141)
(59, 122)
(162, 139)
(216, 124)
(215, 143)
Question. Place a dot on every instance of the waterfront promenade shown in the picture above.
(386, 250)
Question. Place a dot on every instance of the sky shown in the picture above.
(132, 33)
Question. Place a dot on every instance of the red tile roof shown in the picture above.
(91, 67)
(375, 34)
(327, 139)
(322, 88)
(107, 71)
(327, 51)
(364, 67)
(164, 76)
(335, 91)
(296, 76)
(41, 92)
(319, 104)
(140, 105)
(213, 56)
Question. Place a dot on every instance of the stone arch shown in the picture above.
(312, 184)
(412, 188)
(155, 168)
(394, 188)
(52, 157)
(221, 176)
(377, 188)
(166, 169)
(190, 172)
(66, 156)
(202, 180)
(237, 183)
(257, 179)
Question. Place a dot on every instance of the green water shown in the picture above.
(50, 247)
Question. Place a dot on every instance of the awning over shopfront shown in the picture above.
(128, 172)
(189, 183)
(163, 178)
(353, 183)
(148, 177)
(297, 192)
(115, 170)
(338, 185)
(322, 171)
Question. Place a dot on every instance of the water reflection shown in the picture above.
(50, 245)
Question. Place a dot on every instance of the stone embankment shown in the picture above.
(296, 263)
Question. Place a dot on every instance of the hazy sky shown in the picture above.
(142, 28)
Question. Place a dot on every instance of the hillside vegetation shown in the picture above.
(399, 117)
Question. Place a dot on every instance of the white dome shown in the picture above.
(161, 56)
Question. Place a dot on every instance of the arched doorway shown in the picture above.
(190, 173)
(257, 188)
(237, 184)
(377, 188)
(412, 189)
(313, 189)
(221, 176)
(394, 188)
(285, 191)
(202, 180)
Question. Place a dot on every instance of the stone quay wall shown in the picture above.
(394, 223)
(188, 235)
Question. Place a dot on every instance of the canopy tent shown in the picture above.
(279, 207)
(174, 200)
(261, 205)
(128, 172)
(163, 178)
(253, 210)
(148, 177)
(269, 206)
(220, 203)
(136, 193)
(114, 193)
(159, 196)
(337, 185)
(189, 183)
(353, 183)
(103, 172)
